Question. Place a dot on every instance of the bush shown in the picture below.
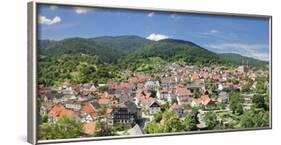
(65, 127)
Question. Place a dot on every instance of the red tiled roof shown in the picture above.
(194, 76)
(163, 91)
(205, 75)
(58, 111)
(181, 90)
(104, 101)
(175, 106)
(67, 112)
(88, 108)
(109, 110)
(197, 101)
(206, 100)
(55, 111)
(216, 77)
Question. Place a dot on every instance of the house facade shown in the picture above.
(124, 114)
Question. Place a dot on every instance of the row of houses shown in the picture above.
(142, 96)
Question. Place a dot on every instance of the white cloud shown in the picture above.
(53, 7)
(48, 21)
(151, 14)
(175, 16)
(258, 51)
(81, 10)
(156, 37)
(214, 31)
(211, 32)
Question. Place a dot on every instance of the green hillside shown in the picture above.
(126, 44)
(80, 60)
(171, 50)
(74, 46)
(239, 59)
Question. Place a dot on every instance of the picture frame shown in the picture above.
(33, 64)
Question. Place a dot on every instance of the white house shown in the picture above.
(154, 108)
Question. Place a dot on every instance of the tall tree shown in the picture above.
(260, 87)
(259, 101)
(210, 119)
(103, 130)
(189, 123)
(235, 103)
(65, 127)
(255, 118)
(152, 127)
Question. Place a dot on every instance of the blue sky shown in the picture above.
(221, 34)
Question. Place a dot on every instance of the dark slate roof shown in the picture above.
(96, 105)
(125, 97)
(194, 85)
(132, 107)
(154, 102)
(136, 130)
(53, 94)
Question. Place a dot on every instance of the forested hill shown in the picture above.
(174, 50)
(79, 60)
(114, 49)
(126, 44)
(76, 46)
(239, 59)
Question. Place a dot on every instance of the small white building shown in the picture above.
(154, 108)
(73, 106)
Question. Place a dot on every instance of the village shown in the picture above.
(127, 107)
